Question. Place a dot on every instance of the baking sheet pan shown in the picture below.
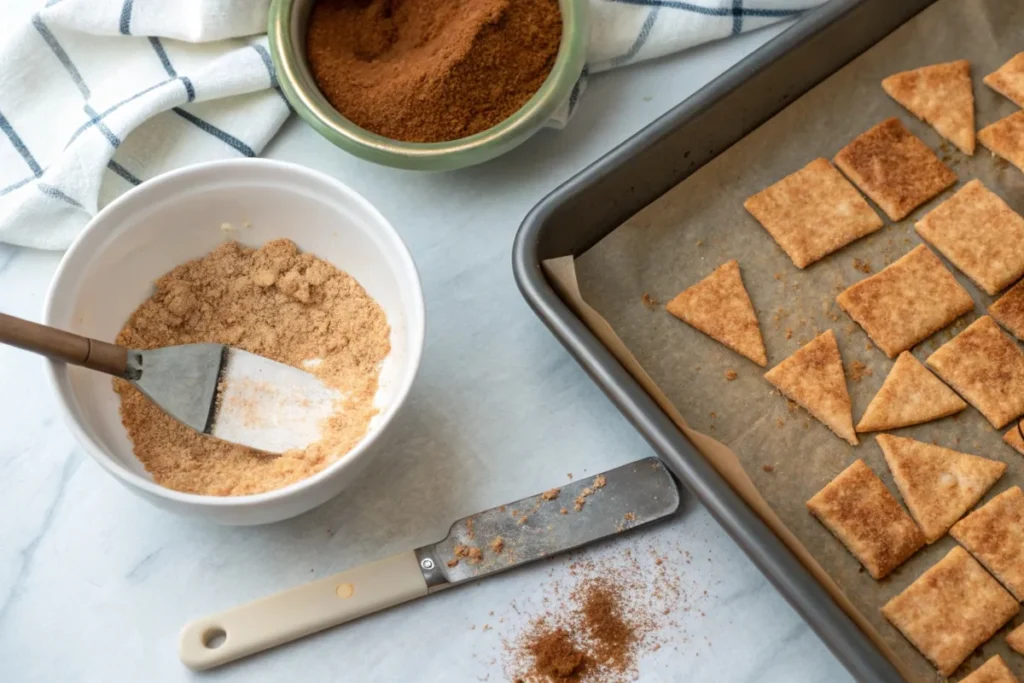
(701, 223)
(756, 88)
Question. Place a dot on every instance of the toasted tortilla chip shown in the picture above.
(893, 167)
(994, 534)
(980, 234)
(1005, 138)
(814, 378)
(1008, 80)
(906, 302)
(910, 395)
(859, 510)
(951, 609)
(938, 484)
(813, 212)
(986, 367)
(1008, 311)
(1016, 639)
(1013, 438)
(992, 671)
(941, 95)
(720, 307)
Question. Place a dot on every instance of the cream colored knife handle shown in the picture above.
(295, 613)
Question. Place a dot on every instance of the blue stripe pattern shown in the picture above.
(267, 62)
(737, 17)
(61, 55)
(645, 33)
(123, 172)
(19, 146)
(715, 11)
(56, 193)
(107, 133)
(158, 47)
(14, 186)
(190, 91)
(216, 132)
(574, 96)
(126, 18)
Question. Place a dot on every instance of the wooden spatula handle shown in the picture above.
(65, 346)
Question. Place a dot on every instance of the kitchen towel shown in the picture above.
(97, 96)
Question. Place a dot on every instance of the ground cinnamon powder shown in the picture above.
(431, 70)
(275, 302)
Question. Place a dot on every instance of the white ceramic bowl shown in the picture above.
(110, 269)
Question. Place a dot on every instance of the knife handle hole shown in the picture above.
(214, 637)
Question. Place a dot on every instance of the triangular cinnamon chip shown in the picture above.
(814, 378)
(1008, 80)
(940, 95)
(938, 484)
(1005, 138)
(910, 395)
(719, 307)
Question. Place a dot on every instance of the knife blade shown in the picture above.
(477, 546)
(535, 527)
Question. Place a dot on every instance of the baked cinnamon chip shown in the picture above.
(1008, 311)
(951, 609)
(1013, 437)
(906, 302)
(992, 671)
(813, 212)
(813, 377)
(980, 234)
(1005, 138)
(910, 395)
(859, 510)
(994, 534)
(894, 168)
(720, 307)
(942, 96)
(1008, 80)
(1016, 639)
(986, 367)
(938, 484)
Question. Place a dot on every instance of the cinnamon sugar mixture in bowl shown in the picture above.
(279, 303)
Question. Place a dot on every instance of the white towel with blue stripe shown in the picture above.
(97, 96)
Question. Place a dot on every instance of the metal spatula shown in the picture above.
(214, 389)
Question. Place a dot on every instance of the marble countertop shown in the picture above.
(95, 583)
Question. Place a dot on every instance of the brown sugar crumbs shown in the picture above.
(469, 552)
(275, 302)
(497, 544)
(859, 370)
(730, 375)
(550, 494)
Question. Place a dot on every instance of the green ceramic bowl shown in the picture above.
(287, 31)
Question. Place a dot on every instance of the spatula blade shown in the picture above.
(595, 507)
(237, 396)
(269, 405)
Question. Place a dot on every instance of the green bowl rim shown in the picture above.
(314, 108)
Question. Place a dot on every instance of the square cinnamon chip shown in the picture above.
(980, 234)
(906, 302)
(893, 167)
(986, 367)
(994, 534)
(813, 212)
(859, 510)
(951, 609)
(1008, 311)
(1005, 138)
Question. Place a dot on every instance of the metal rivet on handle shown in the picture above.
(427, 563)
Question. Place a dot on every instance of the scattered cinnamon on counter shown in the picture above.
(431, 70)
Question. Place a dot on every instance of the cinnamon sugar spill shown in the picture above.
(280, 304)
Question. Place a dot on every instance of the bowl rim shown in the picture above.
(294, 79)
(98, 226)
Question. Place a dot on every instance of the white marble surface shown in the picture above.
(95, 583)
